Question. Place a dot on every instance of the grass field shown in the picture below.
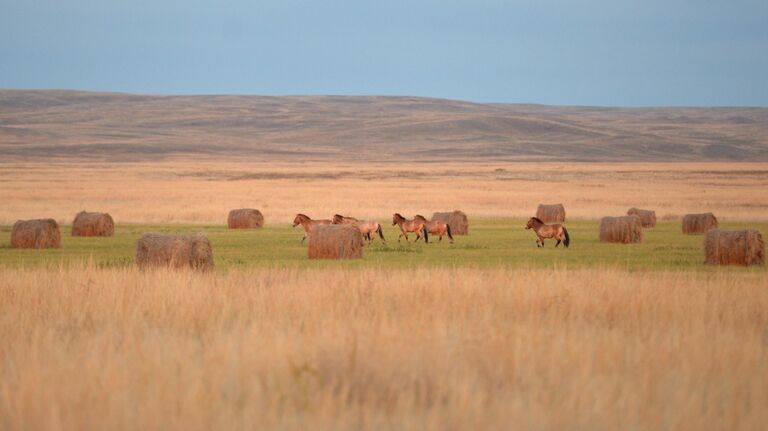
(491, 243)
(203, 192)
(486, 333)
(88, 348)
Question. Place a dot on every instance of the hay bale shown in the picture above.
(699, 223)
(551, 213)
(625, 229)
(335, 241)
(93, 224)
(647, 217)
(37, 233)
(174, 251)
(456, 219)
(245, 218)
(734, 247)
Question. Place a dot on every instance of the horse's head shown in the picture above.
(397, 218)
(419, 217)
(338, 219)
(530, 223)
(298, 219)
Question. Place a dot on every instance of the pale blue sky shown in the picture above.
(628, 53)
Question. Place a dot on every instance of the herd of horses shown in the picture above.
(422, 228)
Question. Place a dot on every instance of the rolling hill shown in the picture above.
(43, 124)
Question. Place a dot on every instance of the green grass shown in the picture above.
(491, 243)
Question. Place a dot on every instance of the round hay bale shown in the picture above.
(625, 229)
(456, 219)
(699, 223)
(93, 224)
(37, 233)
(551, 213)
(245, 218)
(647, 217)
(335, 241)
(734, 247)
(174, 251)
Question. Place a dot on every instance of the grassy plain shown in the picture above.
(431, 348)
(203, 191)
(491, 243)
(487, 333)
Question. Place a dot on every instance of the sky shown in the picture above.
(563, 52)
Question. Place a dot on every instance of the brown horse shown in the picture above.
(436, 227)
(307, 223)
(367, 228)
(407, 226)
(544, 231)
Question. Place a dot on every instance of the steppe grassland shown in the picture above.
(336, 348)
(384, 346)
(492, 243)
(197, 191)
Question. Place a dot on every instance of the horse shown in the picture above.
(436, 227)
(544, 231)
(367, 228)
(406, 226)
(307, 223)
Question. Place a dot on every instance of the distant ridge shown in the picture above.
(37, 124)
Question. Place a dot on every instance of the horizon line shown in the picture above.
(393, 95)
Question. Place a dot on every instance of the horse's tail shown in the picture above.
(379, 230)
(567, 240)
(426, 233)
(449, 231)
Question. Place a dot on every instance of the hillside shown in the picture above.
(36, 124)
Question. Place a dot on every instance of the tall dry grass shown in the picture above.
(85, 348)
(204, 191)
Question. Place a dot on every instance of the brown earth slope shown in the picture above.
(48, 124)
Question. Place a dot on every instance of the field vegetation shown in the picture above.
(204, 191)
(84, 347)
(491, 243)
(486, 333)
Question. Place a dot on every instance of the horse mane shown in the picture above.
(537, 219)
(399, 216)
(420, 217)
(302, 215)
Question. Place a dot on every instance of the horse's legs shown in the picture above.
(441, 238)
(557, 243)
(541, 239)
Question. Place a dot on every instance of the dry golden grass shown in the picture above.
(203, 191)
(84, 348)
